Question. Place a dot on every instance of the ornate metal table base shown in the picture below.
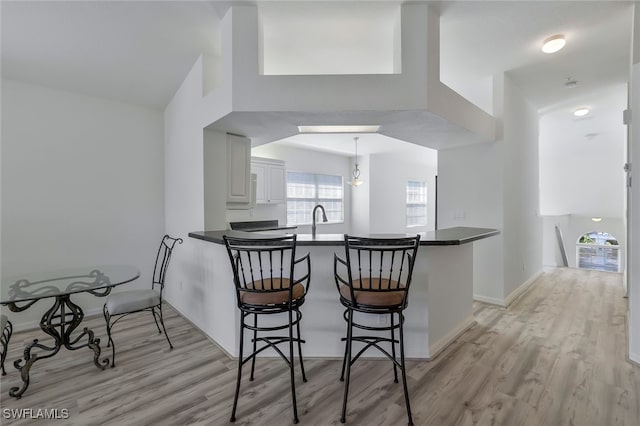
(58, 322)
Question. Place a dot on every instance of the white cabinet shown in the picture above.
(238, 169)
(270, 180)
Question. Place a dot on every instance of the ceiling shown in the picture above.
(344, 144)
(140, 52)
(480, 39)
(137, 52)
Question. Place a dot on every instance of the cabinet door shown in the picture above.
(260, 169)
(277, 188)
(239, 166)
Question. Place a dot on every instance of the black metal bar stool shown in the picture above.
(6, 328)
(263, 273)
(374, 278)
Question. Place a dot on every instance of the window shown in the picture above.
(306, 190)
(599, 251)
(416, 203)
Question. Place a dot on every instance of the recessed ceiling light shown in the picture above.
(581, 112)
(596, 219)
(339, 129)
(553, 43)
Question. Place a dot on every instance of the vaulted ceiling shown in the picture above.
(140, 52)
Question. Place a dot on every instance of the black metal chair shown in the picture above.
(374, 278)
(263, 273)
(7, 330)
(123, 303)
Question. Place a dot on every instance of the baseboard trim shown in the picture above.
(490, 300)
(515, 294)
(436, 348)
(204, 333)
(634, 358)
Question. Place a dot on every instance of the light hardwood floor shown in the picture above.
(556, 356)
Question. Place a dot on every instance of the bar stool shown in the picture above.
(263, 273)
(374, 278)
(6, 328)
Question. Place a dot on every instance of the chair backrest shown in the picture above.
(162, 260)
(263, 265)
(377, 265)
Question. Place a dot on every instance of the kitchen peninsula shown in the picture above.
(440, 303)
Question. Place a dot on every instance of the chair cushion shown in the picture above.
(132, 300)
(271, 297)
(372, 297)
(3, 322)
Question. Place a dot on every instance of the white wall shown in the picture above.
(328, 38)
(82, 184)
(387, 188)
(522, 222)
(578, 174)
(303, 160)
(470, 182)
(184, 187)
(496, 186)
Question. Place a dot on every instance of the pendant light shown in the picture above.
(356, 171)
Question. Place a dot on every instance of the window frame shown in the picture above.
(423, 184)
(316, 200)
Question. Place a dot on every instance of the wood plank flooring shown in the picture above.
(555, 357)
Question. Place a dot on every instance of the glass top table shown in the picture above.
(64, 317)
(35, 286)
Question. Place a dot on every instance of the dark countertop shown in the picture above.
(442, 237)
(258, 225)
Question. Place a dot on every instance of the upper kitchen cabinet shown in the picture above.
(239, 169)
(270, 180)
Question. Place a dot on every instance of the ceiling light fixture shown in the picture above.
(581, 112)
(356, 171)
(339, 129)
(596, 219)
(553, 43)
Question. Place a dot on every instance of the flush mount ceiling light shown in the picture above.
(553, 43)
(339, 129)
(596, 219)
(356, 171)
(581, 112)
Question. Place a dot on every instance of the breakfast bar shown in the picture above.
(440, 306)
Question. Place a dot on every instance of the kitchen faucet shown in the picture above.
(313, 215)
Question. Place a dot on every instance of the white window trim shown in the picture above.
(320, 221)
(426, 208)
